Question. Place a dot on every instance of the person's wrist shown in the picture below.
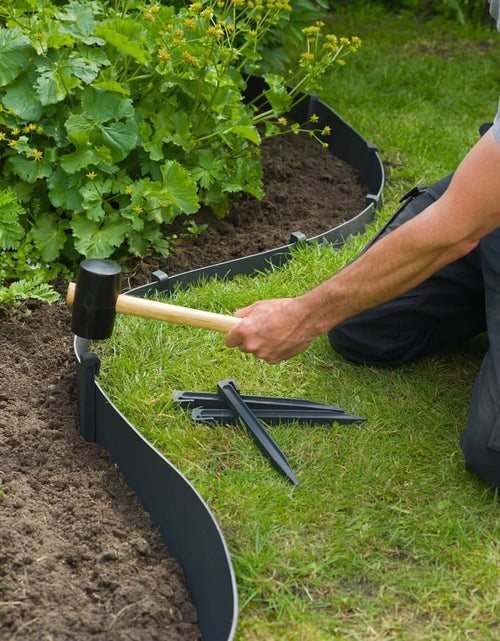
(312, 314)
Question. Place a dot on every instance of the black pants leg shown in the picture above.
(481, 440)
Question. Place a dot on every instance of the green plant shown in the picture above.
(21, 277)
(115, 117)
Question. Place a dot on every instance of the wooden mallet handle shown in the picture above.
(133, 306)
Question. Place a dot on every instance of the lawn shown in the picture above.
(387, 536)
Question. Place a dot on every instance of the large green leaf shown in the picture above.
(13, 46)
(101, 125)
(207, 169)
(21, 99)
(112, 85)
(120, 137)
(78, 20)
(179, 187)
(28, 169)
(98, 240)
(49, 236)
(249, 132)
(82, 158)
(149, 238)
(103, 106)
(79, 129)
(63, 190)
(125, 35)
(55, 81)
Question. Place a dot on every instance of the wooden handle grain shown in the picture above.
(134, 306)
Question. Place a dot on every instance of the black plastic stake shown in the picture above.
(275, 416)
(230, 392)
(210, 400)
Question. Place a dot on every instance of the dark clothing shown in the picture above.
(457, 302)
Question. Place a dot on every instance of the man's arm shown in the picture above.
(447, 230)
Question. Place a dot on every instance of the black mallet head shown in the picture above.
(94, 303)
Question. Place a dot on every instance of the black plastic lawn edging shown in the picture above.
(191, 533)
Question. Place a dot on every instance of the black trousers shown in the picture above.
(459, 301)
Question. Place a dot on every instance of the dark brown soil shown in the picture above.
(79, 559)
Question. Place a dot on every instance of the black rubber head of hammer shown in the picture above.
(94, 305)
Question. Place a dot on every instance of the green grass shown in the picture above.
(386, 537)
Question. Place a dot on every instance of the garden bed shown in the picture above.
(80, 559)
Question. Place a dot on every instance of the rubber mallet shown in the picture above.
(96, 298)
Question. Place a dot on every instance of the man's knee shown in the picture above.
(357, 344)
(380, 339)
(480, 441)
(480, 458)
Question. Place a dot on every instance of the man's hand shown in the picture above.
(272, 330)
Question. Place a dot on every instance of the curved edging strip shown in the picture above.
(192, 534)
(187, 525)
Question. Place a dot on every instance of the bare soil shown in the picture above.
(79, 559)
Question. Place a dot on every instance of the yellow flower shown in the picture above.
(307, 57)
(189, 59)
(190, 24)
(326, 131)
(163, 55)
(128, 190)
(138, 210)
(37, 155)
(314, 118)
(91, 175)
(2, 135)
(215, 32)
(309, 32)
